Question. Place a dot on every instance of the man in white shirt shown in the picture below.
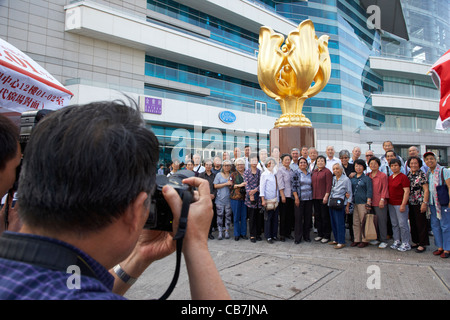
(331, 159)
(295, 154)
(262, 159)
(247, 151)
(313, 154)
(356, 153)
(369, 154)
(388, 146)
(305, 154)
(198, 168)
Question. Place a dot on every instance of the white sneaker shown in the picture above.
(374, 242)
(317, 238)
(383, 245)
(396, 245)
(404, 247)
(324, 240)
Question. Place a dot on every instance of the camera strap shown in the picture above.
(179, 236)
(42, 253)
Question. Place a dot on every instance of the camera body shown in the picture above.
(161, 216)
(28, 121)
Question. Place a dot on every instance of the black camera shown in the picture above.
(28, 121)
(160, 216)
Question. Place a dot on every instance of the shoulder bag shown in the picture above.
(442, 191)
(336, 203)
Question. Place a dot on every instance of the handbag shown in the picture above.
(369, 229)
(442, 191)
(336, 203)
(271, 204)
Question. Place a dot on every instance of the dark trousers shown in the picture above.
(419, 226)
(286, 211)
(214, 218)
(322, 219)
(271, 224)
(254, 221)
(303, 219)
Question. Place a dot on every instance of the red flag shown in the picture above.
(440, 73)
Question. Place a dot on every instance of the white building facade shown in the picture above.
(192, 66)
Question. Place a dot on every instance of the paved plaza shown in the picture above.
(310, 271)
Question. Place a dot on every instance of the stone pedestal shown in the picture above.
(286, 138)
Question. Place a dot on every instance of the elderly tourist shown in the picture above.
(210, 176)
(418, 200)
(440, 213)
(237, 196)
(302, 191)
(312, 153)
(222, 184)
(380, 195)
(349, 168)
(398, 206)
(252, 178)
(269, 200)
(341, 189)
(286, 206)
(321, 185)
(385, 166)
(362, 201)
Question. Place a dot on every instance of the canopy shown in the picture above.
(392, 19)
(25, 85)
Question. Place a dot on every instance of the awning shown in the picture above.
(25, 85)
(392, 19)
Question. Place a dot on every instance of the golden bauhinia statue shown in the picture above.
(286, 71)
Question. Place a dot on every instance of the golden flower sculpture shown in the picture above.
(286, 71)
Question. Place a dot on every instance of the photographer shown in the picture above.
(10, 156)
(84, 192)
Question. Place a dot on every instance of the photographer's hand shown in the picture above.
(204, 279)
(152, 245)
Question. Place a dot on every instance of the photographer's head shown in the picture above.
(84, 166)
(10, 154)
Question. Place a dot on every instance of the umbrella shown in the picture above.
(392, 19)
(25, 85)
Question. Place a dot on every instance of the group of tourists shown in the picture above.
(303, 191)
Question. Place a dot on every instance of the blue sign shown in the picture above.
(227, 117)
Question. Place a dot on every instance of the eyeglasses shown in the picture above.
(369, 155)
